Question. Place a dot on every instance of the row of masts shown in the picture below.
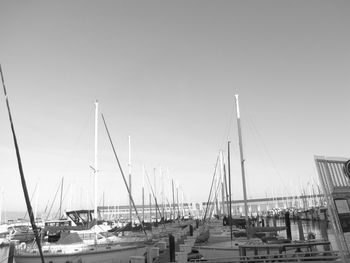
(129, 185)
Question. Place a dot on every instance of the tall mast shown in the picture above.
(242, 163)
(36, 203)
(172, 189)
(124, 179)
(129, 165)
(223, 198)
(162, 190)
(155, 194)
(60, 213)
(150, 208)
(229, 186)
(225, 182)
(70, 197)
(103, 200)
(1, 201)
(177, 201)
(20, 168)
(222, 175)
(95, 161)
(143, 193)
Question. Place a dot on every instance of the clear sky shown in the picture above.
(165, 73)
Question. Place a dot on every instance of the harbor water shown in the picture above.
(309, 226)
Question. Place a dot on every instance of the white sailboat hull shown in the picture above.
(104, 254)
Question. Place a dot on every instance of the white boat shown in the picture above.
(22, 233)
(83, 246)
(78, 251)
(4, 240)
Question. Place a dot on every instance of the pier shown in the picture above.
(196, 210)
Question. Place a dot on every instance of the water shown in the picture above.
(308, 226)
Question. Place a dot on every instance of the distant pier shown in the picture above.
(256, 205)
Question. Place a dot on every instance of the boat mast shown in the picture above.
(1, 200)
(150, 208)
(162, 191)
(95, 162)
(129, 166)
(211, 189)
(143, 193)
(223, 179)
(172, 189)
(157, 209)
(155, 195)
(229, 186)
(177, 200)
(242, 163)
(20, 168)
(124, 179)
(60, 213)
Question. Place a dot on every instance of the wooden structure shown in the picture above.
(334, 177)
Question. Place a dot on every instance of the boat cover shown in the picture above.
(69, 238)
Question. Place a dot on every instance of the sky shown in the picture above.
(165, 73)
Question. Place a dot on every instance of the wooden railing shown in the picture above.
(315, 257)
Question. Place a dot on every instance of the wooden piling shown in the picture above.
(172, 248)
(287, 222)
(11, 252)
(191, 230)
(301, 231)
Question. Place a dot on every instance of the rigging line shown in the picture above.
(215, 189)
(226, 190)
(148, 185)
(23, 180)
(73, 153)
(121, 171)
(4, 259)
(53, 201)
(211, 188)
(170, 208)
(64, 197)
(31, 198)
(264, 146)
(154, 197)
(213, 204)
(215, 197)
(228, 127)
(48, 201)
(184, 197)
(264, 152)
(66, 192)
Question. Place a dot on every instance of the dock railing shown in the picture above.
(315, 257)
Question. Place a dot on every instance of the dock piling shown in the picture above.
(11, 252)
(301, 231)
(172, 248)
(287, 221)
(191, 230)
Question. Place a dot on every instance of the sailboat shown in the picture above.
(228, 242)
(86, 246)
